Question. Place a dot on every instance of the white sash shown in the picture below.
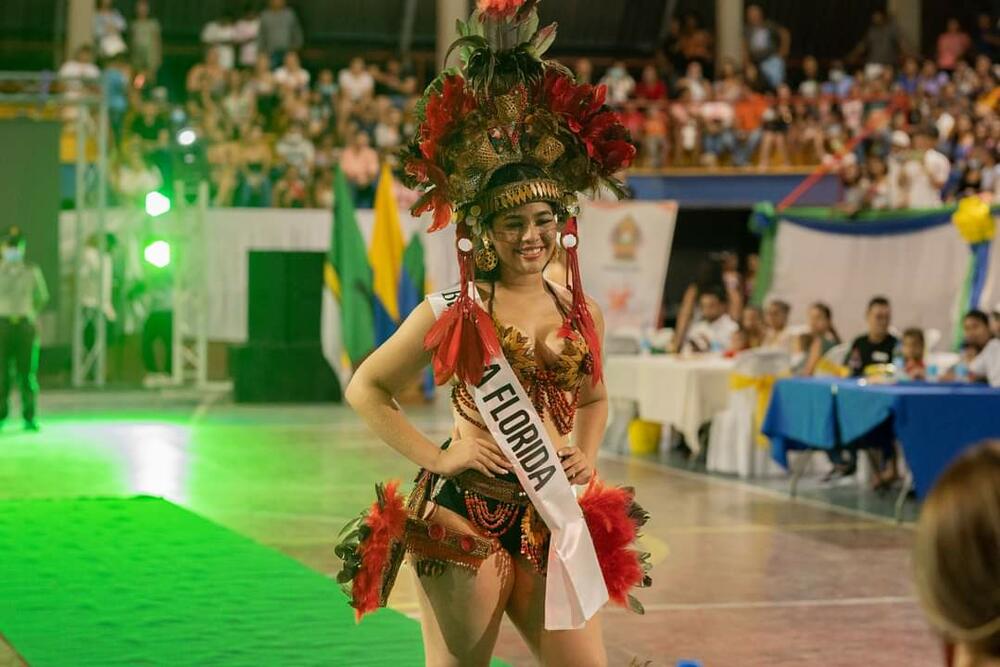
(574, 586)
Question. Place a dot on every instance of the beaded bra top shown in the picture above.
(546, 381)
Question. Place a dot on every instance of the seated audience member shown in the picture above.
(752, 324)
(985, 367)
(296, 149)
(715, 328)
(356, 81)
(976, 337)
(926, 172)
(955, 564)
(291, 190)
(738, 342)
(650, 88)
(254, 173)
(824, 336)
(913, 354)
(291, 77)
(359, 162)
(875, 347)
(619, 82)
(878, 345)
(776, 318)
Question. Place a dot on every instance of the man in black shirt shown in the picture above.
(877, 346)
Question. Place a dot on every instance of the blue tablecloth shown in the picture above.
(802, 414)
(933, 422)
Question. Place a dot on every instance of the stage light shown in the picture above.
(186, 136)
(157, 253)
(156, 204)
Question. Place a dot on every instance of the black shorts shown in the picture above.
(451, 497)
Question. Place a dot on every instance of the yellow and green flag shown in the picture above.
(347, 320)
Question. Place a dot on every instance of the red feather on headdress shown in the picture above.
(463, 338)
(579, 317)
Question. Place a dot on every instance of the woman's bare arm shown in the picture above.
(383, 375)
(815, 354)
(592, 408)
(684, 316)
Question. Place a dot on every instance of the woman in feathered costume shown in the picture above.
(493, 526)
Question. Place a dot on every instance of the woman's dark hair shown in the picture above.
(708, 276)
(828, 314)
(955, 551)
(511, 173)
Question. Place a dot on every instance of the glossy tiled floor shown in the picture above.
(743, 575)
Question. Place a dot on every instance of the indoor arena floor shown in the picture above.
(743, 576)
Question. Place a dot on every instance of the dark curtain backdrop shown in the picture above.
(29, 191)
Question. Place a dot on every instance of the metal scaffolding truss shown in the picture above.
(82, 105)
(190, 294)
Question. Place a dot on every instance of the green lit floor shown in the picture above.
(743, 576)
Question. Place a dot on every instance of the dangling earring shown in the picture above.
(486, 257)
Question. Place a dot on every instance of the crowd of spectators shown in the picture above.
(716, 316)
(265, 129)
(900, 131)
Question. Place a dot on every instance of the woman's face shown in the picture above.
(752, 319)
(818, 323)
(524, 237)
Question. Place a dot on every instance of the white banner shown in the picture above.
(574, 584)
(919, 272)
(230, 235)
(624, 251)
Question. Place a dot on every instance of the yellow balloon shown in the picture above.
(973, 220)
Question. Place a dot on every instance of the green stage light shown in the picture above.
(157, 253)
(156, 204)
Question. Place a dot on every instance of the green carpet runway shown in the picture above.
(140, 581)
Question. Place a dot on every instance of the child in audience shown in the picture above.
(913, 354)
(738, 342)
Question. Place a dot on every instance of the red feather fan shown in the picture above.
(613, 530)
(387, 523)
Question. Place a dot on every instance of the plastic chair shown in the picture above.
(732, 442)
(833, 359)
(931, 339)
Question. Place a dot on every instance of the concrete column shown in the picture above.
(79, 25)
(728, 30)
(907, 14)
(448, 11)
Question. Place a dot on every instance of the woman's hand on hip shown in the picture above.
(471, 453)
(575, 464)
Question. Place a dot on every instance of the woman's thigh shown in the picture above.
(553, 648)
(461, 610)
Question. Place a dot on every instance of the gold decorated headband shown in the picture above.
(512, 195)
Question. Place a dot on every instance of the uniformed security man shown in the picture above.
(22, 295)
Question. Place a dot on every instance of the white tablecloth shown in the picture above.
(676, 391)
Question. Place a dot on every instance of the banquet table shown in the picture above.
(933, 422)
(683, 392)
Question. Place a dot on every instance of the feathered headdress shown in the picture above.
(505, 105)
